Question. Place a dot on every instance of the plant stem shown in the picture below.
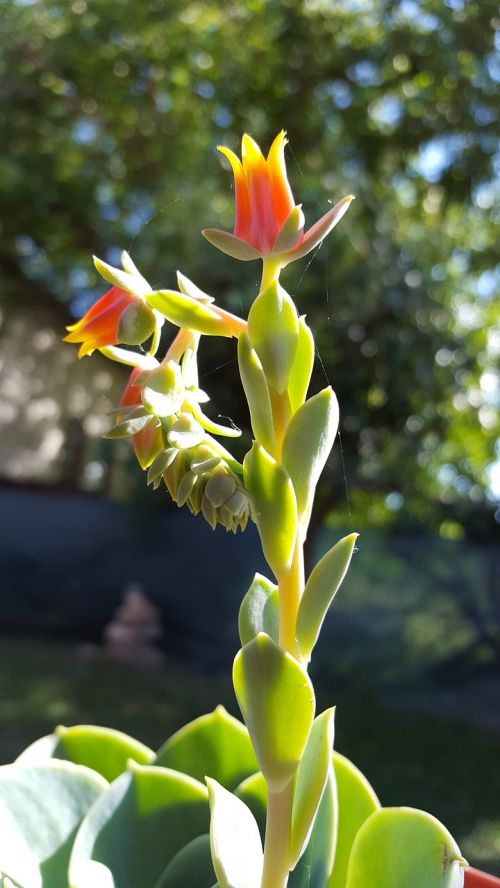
(276, 846)
(270, 272)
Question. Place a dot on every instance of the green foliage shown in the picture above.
(277, 700)
(275, 506)
(234, 839)
(316, 863)
(401, 848)
(306, 447)
(42, 806)
(356, 801)
(259, 611)
(300, 374)
(256, 390)
(320, 590)
(310, 782)
(101, 749)
(273, 328)
(191, 866)
(216, 745)
(145, 817)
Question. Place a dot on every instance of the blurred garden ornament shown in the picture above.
(135, 630)
(267, 803)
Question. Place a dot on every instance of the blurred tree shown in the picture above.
(111, 113)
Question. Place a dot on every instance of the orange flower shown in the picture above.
(147, 443)
(117, 317)
(267, 219)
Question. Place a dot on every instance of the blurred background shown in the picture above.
(115, 607)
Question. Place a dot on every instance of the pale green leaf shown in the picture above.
(404, 848)
(277, 701)
(137, 323)
(163, 391)
(300, 374)
(132, 283)
(138, 825)
(259, 611)
(320, 590)
(290, 231)
(275, 506)
(103, 749)
(356, 801)
(273, 330)
(257, 393)
(214, 745)
(234, 840)
(231, 245)
(315, 865)
(41, 806)
(184, 311)
(310, 782)
(307, 444)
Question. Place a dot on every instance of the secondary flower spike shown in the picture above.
(268, 222)
(117, 317)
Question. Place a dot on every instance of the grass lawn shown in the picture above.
(450, 769)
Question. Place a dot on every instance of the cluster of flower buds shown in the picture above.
(160, 411)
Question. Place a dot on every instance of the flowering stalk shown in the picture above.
(279, 622)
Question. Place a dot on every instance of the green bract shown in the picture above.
(276, 698)
(273, 328)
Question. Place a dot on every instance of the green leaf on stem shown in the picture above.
(137, 826)
(234, 840)
(184, 311)
(216, 745)
(300, 374)
(356, 801)
(315, 865)
(191, 867)
(404, 848)
(257, 393)
(307, 444)
(259, 611)
(230, 245)
(102, 749)
(310, 781)
(125, 280)
(273, 329)
(42, 805)
(276, 698)
(320, 591)
(275, 506)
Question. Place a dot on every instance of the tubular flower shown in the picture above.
(117, 317)
(267, 219)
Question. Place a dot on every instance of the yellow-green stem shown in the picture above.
(277, 842)
(270, 272)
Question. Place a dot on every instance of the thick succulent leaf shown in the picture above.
(404, 848)
(320, 590)
(231, 245)
(300, 374)
(189, 289)
(253, 791)
(215, 745)
(316, 863)
(188, 312)
(310, 782)
(130, 427)
(259, 611)
(138, 825)
(191, 867)
(234, 840)
(356, 801)
(41, 807)
(256, 390)
(291, 231)
(277, 700)
(307, 444)
(273, 329)
(102, 749)
(275, 506)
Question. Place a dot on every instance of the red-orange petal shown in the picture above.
(282, 193)
(241, 199)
